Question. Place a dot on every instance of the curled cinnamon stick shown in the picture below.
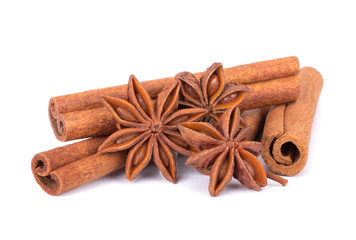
(287, 129)
(81, 115)
(64, 168)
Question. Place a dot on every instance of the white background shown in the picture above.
(50, 48)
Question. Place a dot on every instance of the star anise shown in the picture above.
(210, 92)
(148, 128)
(224, 153)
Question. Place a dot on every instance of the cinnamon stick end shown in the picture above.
(47, 181)
(288, 127)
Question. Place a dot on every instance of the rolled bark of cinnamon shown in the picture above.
(64, 168)
(288, 127)
(248, 73)
(81, 115)
(271, 92)
(255, 119)
(98, 121)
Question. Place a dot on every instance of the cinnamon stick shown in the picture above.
(271, 92)
(288, 127)
(249, 73)
(98, 122)
(255, 119)
(64, 168)
(81, 115)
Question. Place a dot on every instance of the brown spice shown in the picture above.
(210, 93)
(82, 153)
(287, 129)
(255, 119)
(249, 73)
(148, 129)
(64, 168)
(95, 121)
(224, 153)
(82, 124)
(271, 92)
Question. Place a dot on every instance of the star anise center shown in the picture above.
(209, 108)
(230, 144)
(156, 127)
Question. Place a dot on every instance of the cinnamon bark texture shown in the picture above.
(64, 168)
(255, 119)
(81, 115)
(98, 122)
(288, 127)
(248, 73)
(272, 92)
(83, 124)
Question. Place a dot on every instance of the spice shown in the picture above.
(82, 115)
(224, 153)
(148, 128)
(146, 120)
(271, 92)
(255, 119)
(98, 122)
(287, 129)
(248, 73)
(64, 168)
(210, 93)
(75, 160)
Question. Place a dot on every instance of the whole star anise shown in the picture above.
(224, 153)
(148, 128)
(210, 92)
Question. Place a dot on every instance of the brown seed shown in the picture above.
(223, 170)
(126, 138)
(168, 101)
(229, 98)
(177, 120)
(213, 84)
(140, 154)
(163, 157)
(190, 91)
(178, 141)
(126, 114)
(249, 168)
(142, 103)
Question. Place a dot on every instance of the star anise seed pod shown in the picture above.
(224, 153)
(148, 129)
(210, 92)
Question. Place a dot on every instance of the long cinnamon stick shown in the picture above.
(271, 92)
(98, 121)
(249, 73)
(81, 115)
(64, 168)
(288, 127)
